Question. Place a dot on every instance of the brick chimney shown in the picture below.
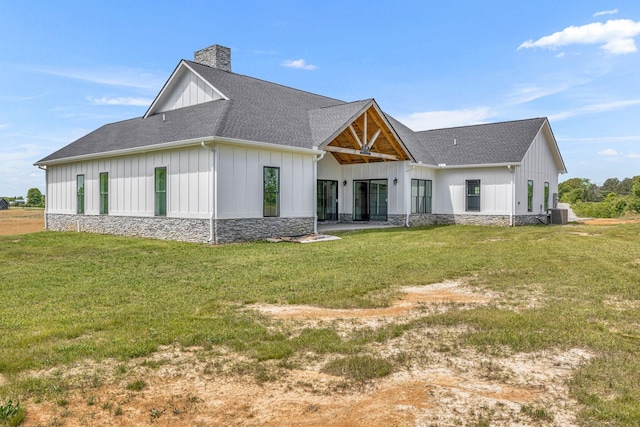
(215, 56)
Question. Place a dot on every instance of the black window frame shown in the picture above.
(270, 192)
(160, 200)
(416, 206)
(530, 195)
(546, 196)
(476, 184)
(80, 190)
(104, 192)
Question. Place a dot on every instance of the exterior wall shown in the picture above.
(495, 191)
(183, 229)
(240, 182)
(132, 185)
(538, 165)
(190, 195)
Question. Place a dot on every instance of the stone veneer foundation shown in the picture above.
(250, 229)
(182, 229)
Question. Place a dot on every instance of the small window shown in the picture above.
(271, 189)
(473, 195)
(546, 196)
(161, 191)
(80, 194)
(530, 196)
(104, 193)
(420, 196)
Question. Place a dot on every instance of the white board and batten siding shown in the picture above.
(132, 184)
(240, 181)
(187, 89)
(539, 166)
(495, 190)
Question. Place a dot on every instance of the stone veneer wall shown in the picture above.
(182, 229)
(419, 220)
(248, 229)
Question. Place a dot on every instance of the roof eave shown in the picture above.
(479, 165)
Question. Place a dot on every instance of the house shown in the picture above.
(4, 204)
(223, 157)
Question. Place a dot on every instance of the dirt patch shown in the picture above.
(21, 221)
(441, 293)
(433, 383)
(610, 221)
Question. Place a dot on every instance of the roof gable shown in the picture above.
(487, 144)
(357, 132)
(184, 88)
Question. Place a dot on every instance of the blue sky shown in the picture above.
(68, 67)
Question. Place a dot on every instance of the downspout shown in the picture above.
(513, 194)
(46, 193)
(316, 159)
(213, 217)
(407, 200)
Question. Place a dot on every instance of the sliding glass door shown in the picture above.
(370, 200)
(327, 200)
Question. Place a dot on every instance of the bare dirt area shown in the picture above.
(21, 221)
(610, 221)
(433, 384)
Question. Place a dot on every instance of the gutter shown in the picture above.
(46, 190)
(177, 144)
(213, 217)
(316, 159)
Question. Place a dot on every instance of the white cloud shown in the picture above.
(595, 108)
(614, 36)
(445, 119)
(121, 101)
(605, 12)
(608, 152)
(3, 125)
(633, 156)
(300, 64)
(527, 93)
(126, 77)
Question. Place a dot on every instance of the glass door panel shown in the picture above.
(378, 200)
(327, 200)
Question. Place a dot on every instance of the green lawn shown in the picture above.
(68, 296)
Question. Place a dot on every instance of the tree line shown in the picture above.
(612, 199)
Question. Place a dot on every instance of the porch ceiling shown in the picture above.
(367, 139)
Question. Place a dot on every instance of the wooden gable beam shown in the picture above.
(389, 136)
(333, 149)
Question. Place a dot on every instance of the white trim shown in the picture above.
(480, 165)
(179, 144)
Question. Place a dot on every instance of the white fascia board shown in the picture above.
(265, 145)
(179, 144)
(215, 89)
(483, 165)
(129, 151)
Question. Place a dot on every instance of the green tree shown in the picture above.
(34, 198)
(634, 199)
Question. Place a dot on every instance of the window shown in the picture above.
(473, 195)
(420, 196)
(161, 191)
(104, 193)
(271, 191)
(529, 196)
(80, 194)
(546, 196)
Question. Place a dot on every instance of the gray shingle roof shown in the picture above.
(494, 143)
(267, 112)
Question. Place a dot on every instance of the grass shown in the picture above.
(69, 296)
